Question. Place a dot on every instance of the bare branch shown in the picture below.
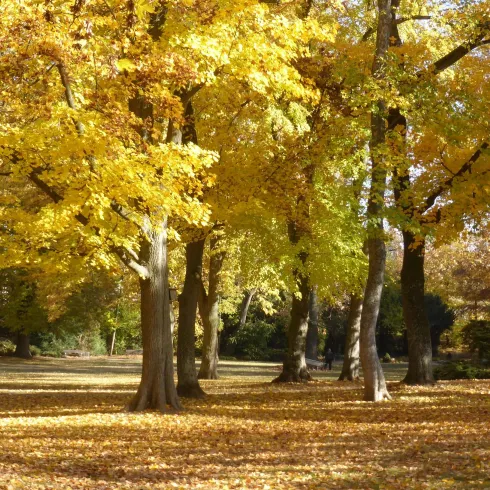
(402, 20)
(429, 202)
(460, 51)
(127, 257)
(69, 94)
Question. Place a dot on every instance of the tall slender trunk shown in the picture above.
(414, 312)
(22, 346)
(247, 299)
(188, 385)
(157, 387)
(294, 368)
(113, 341)
(209, 311)
(312, 333)
(350, 366)
(374, 380)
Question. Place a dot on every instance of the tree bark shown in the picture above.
(247, 299)
(209, 311)
(312, 333)
(113, 341)
(350, 367)
(188, 385)
(414, 312)
(22, 346)
(157, 388)
(374, 381)
(294, 368)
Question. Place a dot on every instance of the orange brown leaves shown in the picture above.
(61, 427)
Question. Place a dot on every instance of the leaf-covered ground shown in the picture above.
(61, 427)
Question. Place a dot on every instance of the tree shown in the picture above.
(20, 310)
(105, 138)
(417, 222)
(209, 311)
(350, 365)
(460, 273)
(312, 333)
(374, 381)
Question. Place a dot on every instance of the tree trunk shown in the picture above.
(374, 380)
(22, 345)
(350, 367)
(157, 388)
(188, 385)
(312, 333)
(113, 341)
(414, 312)
(247, 299)
(209, 311)
(294, 368)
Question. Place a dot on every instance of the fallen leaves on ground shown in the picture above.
(61, 426)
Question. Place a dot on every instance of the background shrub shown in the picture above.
(461, 370)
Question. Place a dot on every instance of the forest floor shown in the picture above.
(61, 427)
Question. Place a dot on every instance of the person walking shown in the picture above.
(329, 359)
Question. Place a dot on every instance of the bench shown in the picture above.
(134, 352)
(75, 353)
(311, 363)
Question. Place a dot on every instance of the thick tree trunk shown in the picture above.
(294, 368)
(247, 299)
(209, 311)
(350, 367)
(22, 346)
(188, 385)
(414, 313)
(312, 333)
(157, 388)
(374, 381)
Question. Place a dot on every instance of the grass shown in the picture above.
(61, 427)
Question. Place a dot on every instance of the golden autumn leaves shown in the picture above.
(64, 429)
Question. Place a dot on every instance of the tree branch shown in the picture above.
(429, 202)
(371, 30)
(70, 100)
(462, 50)
(128, 257)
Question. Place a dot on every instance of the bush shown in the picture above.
(275, 355)
(53, 345)
(35, 350)
(476, 334)
(386, 358)
(251, 340)
(7, 347)
(460, 370)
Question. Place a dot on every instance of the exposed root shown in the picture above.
(190, 391)
(418, 380)
(207, 375)
(293, 377)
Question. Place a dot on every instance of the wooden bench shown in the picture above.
(134, 352)
(75, 353)
(311, 363)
